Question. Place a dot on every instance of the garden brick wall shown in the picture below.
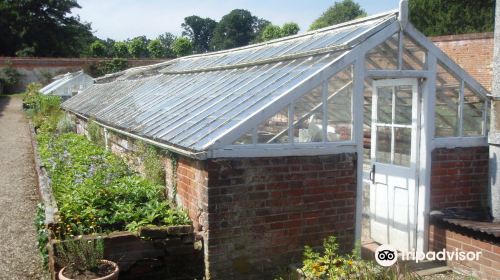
(459, 177)
(455, 238)
(474, 52)
(37, 69)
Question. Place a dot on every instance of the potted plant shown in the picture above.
(83, 259)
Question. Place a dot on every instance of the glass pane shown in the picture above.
(473, 114)
(402, 146)
(274, 130)
(245, 139)
(384, 105)
(385, 55)
(340, 106)
(413, 54)
(403, 105)
(384, 137)
(308, 117)
(447, 100)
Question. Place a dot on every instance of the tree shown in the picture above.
(182, 46)
(289, 28)
(167, 40)
(271, 31)
(236, 29)
(138, 47)
(42, 28)
(156, 49)
(436, 17)
(200, 31)
(120, 49)
(97, 49)
(338, 13)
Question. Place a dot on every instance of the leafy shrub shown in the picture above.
(9, 76)
(80, 254)
(153, 165)
(95, 132)
(96, 192)
(330, 265)
(65, 124)
(42, 233)
(44, 110)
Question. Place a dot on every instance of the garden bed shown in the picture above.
(88, 191)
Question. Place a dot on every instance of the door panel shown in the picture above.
(394, 158)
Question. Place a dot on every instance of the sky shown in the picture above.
(122, 19)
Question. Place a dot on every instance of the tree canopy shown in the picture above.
(236, 29)
(272, 31)
(42, 28)
(200, 31)
(340, 12)
(437, 17)
(182, 46)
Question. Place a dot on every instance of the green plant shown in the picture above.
(42, 233)
(95, 132)
(153, 165)
(330, 265)
(9, 76)
(81, 254)
(65, 124)
(95, 191)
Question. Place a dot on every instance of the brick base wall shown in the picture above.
(453, 238)
(459, 177)
(263, 211)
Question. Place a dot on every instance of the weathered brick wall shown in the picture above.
(474, 52)
(454, 238)
(38, 69)
(263, 211)
(459, 177)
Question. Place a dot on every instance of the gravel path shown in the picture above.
(19, 257)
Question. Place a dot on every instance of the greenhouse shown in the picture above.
(280, 144)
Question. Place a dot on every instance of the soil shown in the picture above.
(19, 256)
(102, 270)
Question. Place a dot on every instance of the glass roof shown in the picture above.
(191, 102)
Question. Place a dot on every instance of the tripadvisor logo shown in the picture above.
(386, 255)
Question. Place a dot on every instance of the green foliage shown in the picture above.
(153, 165)
(289, 28)
(81, 254)
(95, 132)
(43, 110)
(156, 49)
(199, 31)
(138, 47)
(96, 192)
(120, 49)
(65, 124)
(436, 17)
(167, 39)
(42, 233)
(182, 46)
(330, 265)
(236, 29)
(9, 76)
(343, 11)
(108, 67)
(271, 31)
(97, 49)
(42, 28)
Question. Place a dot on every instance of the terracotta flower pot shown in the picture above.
(112, 276)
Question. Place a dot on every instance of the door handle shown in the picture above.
(372, 174)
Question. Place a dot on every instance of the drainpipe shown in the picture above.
(494, 135)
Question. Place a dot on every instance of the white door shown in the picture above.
(394, 137)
